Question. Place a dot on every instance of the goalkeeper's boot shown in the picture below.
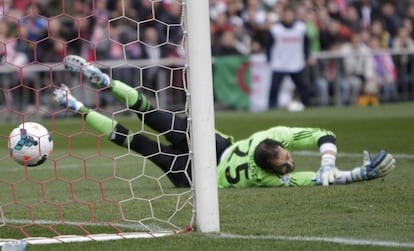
(77, 64)
(63, 97)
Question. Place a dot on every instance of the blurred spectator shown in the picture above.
(12, 8)
(234, 8)
(100, 35)
(100, 12)
(334, 10)
(258, 41)
(330, 71)
(384, 71)
(377, 30)
(227, 45)
(145, 9)
(405, 60)
(367, 10)
(32, 29)
(237, 27)
(357, 69)
(172, 33)
(125, 8)
(406, 23)
(219, 27)
(85, 30)
(123, 44)
(389, 18)
(255, 13)
(51, 51)
(34, 26)
(151, 49)
(335, 31)
(366, 36)
(254, 17)
(242, 39)
(352, 20)
(288, 51)
(410, 15)
(81, 8)
(9, 52)
(319, 4)
(217, 7)
(6, 5)
(308, 15)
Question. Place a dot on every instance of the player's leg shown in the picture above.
(107, 126)
(122, 91)
(171, 160)
(299, 79)
(174, 126)
(277, 78)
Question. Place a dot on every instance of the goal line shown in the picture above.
(338, 240)
(93, 237)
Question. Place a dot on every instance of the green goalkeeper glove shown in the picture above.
(372, 168)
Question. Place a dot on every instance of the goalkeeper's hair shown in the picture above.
(265, 152)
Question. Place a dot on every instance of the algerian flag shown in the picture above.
(243, 82)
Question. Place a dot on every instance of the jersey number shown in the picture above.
(236, 179)
(243, 167)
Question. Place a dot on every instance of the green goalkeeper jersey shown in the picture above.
(237, 167)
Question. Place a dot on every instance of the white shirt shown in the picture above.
(288, 53)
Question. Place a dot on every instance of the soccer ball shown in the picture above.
(295, 106)
(30, 144)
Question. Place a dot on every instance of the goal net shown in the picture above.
(90, 188)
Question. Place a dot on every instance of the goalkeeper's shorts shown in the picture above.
(222, 143)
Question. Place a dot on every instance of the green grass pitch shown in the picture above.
(375, 215)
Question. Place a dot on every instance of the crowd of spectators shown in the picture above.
(44, 31)
(153, 30)
(374, 39)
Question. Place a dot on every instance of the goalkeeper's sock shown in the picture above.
(114, 131)
(130, 96)
(100, 122)
(83, 109)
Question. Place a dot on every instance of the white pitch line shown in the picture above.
(338, 240)
(351, 155)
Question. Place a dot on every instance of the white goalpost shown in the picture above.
(202, 114)
(89, 189)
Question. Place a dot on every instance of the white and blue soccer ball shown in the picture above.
(30, 144)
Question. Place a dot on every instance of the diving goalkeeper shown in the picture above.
(262, 160)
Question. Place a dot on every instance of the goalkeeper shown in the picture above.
(262, 160)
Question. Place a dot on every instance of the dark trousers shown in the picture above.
(298, 78)
(173, 158)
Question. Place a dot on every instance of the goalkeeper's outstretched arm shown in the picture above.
(381, 164)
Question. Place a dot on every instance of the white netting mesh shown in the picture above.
(89, 185)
